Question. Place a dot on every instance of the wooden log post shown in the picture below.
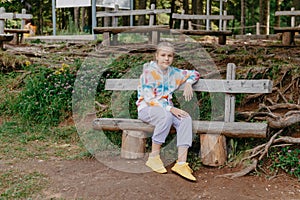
(288, 38)
(133, 144)
(213, 146)
(115, 24)
(154, 35)
(2, 12)
(222, 38)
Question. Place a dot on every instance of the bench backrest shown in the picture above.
(119, 13)
(222, 18)
(3, 16)
(229, 86)
(293, 13)
(203, 85)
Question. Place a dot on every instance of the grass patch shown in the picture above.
(20, 185)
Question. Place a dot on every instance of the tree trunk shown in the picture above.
(277, 8)
(172, 11)
(197, 9)
(76, 17)
(243, 16)
(296, 5)
(142, 19)
(264, 12)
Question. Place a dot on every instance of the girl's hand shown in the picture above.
(179, 113)
(188, 91)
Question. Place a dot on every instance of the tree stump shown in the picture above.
(287, 38)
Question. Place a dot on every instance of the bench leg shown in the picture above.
(133, 144)
(115, 39)
(213, 149)
(106, 39)
(222, 39)
(155, 37)
(288, 38)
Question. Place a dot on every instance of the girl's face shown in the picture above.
(164, 57)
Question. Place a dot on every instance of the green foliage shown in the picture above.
(46, 97)
(287, 159)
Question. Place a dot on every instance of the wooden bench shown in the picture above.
(288, 33)
(152, 29)
(17, 32)
(212, 133)
(222, 33)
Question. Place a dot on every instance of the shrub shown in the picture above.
(46, 98)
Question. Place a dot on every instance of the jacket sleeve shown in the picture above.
(189, 76)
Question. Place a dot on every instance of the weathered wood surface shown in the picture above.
(200, 32)
(203, 17)
(289, 29)
(135, 29)
(6, 37)
(287, 13)
(120, 13)
(213, 150)
(10, 30)
(229, 129)
(204, 85)
(133, 144)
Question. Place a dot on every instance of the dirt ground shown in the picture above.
(90, 179)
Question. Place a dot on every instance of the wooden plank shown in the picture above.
(285, 29)
(200, 32)
(135, 29)
(203, 17)
(132, 12)
(287, 13)
(22, 16)
(9, 30)
(229, 129)
(204, 85)
(6, 16)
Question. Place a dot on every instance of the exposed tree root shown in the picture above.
(259, 152)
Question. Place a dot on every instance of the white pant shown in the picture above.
(163, 120)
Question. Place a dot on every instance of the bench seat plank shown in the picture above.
(12, 30)
(203, 17)
(136, 29)
(229, 129)
(289, 29)
(205, 85)
(201, 32)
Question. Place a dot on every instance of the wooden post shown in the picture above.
(133, 144)
(182, 21)
(257, 28)
(288, 38)
(292, 18)
(213, 146)
(224, 22)
(153, 35)
(115, 24)
(2, 11)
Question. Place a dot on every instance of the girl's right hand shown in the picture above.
(179, 113)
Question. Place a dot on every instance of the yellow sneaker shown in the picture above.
(184, 170)
(156, 164)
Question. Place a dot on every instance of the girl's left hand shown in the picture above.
(188, 91)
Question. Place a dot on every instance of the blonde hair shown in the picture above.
(165, 46)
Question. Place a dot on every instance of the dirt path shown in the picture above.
(90, 179)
